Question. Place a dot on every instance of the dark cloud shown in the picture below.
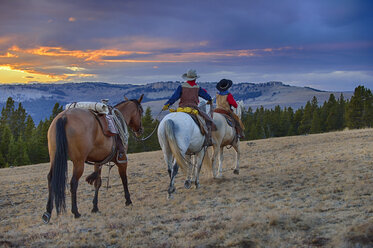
(321, 35)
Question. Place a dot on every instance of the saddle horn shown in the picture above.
(125, 98)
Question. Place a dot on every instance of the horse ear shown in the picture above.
(140, 99)
(125, 98)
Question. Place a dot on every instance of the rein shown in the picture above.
(147, 137)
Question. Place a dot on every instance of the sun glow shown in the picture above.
(9, 75)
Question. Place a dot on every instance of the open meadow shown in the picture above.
(301, 191)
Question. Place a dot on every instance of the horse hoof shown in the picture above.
(187, 184)
(237, 172)
(170, 196)
(46, 217)
(197, 185)
(95, 210)
(171, 190)
(77, 215)
(129, 202)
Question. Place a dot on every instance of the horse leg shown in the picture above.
(188, 181)
(122, 169)
(172, 169)
(95, 179)
(77, 173)
(171, 188)
(47, 215)
(237, 148)
(199, 161)
(221, 159)
(214, 159)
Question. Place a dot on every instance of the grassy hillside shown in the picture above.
(304, 191)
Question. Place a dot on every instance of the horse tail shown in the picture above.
(207, 160)
(170, 137)
(59, 171)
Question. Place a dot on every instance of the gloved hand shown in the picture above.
(165, 107)
(209, 102)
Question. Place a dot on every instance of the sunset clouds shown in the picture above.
(297, 42)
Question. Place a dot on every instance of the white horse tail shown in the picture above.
(207, 163)
(170, 137)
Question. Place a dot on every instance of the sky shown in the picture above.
(324, 44)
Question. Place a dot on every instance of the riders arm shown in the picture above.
(231, 100)
(175, 96)
(203, 93)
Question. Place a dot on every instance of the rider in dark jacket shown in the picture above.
(188, 93)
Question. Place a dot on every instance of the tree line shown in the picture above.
(332, 115)
(22, 142)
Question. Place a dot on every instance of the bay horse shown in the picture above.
(225, 135)
(75, 133)
(180, 138)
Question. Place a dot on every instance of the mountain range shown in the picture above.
(39, 99)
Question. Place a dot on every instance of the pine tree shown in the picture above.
(368, 108)
(29, 127)
(305, 124)
(12, 152)
(149, 125)
(2, 161)
(6, 139)
(57, 108)
(341, 122)
(298, 116)
(21, 157)
(291, 129)
(316, 122)
(17, 121)
(247, 120)
(356, 108)
(7, 111)
(331, 122)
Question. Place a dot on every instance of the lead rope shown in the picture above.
(110, 165)
(147, 137)
(121, 126)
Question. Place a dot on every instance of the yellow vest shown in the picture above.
(222, 102)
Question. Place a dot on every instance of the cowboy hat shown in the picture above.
(224, 84)
(190, 75)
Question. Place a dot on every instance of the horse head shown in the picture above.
(132, 112)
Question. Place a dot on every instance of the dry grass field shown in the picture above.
(304, 191)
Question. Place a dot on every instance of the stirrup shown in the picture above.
(121, 161)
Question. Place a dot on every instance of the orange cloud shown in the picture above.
(58, 63)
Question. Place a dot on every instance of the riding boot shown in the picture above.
(240, 132)
(121, 153)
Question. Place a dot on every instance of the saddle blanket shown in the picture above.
(111, 126)
(95, 106)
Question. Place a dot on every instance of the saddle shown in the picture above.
(227, 116)
(194, 114)
(107, 124)
(109, 129)
(104, 115)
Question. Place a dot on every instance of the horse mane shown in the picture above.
(131, 100)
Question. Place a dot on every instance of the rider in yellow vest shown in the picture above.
(188, 93)
(225, 101)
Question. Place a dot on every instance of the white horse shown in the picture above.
(180, 138)
(225, 136)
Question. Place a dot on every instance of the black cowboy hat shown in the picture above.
(224, 84)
